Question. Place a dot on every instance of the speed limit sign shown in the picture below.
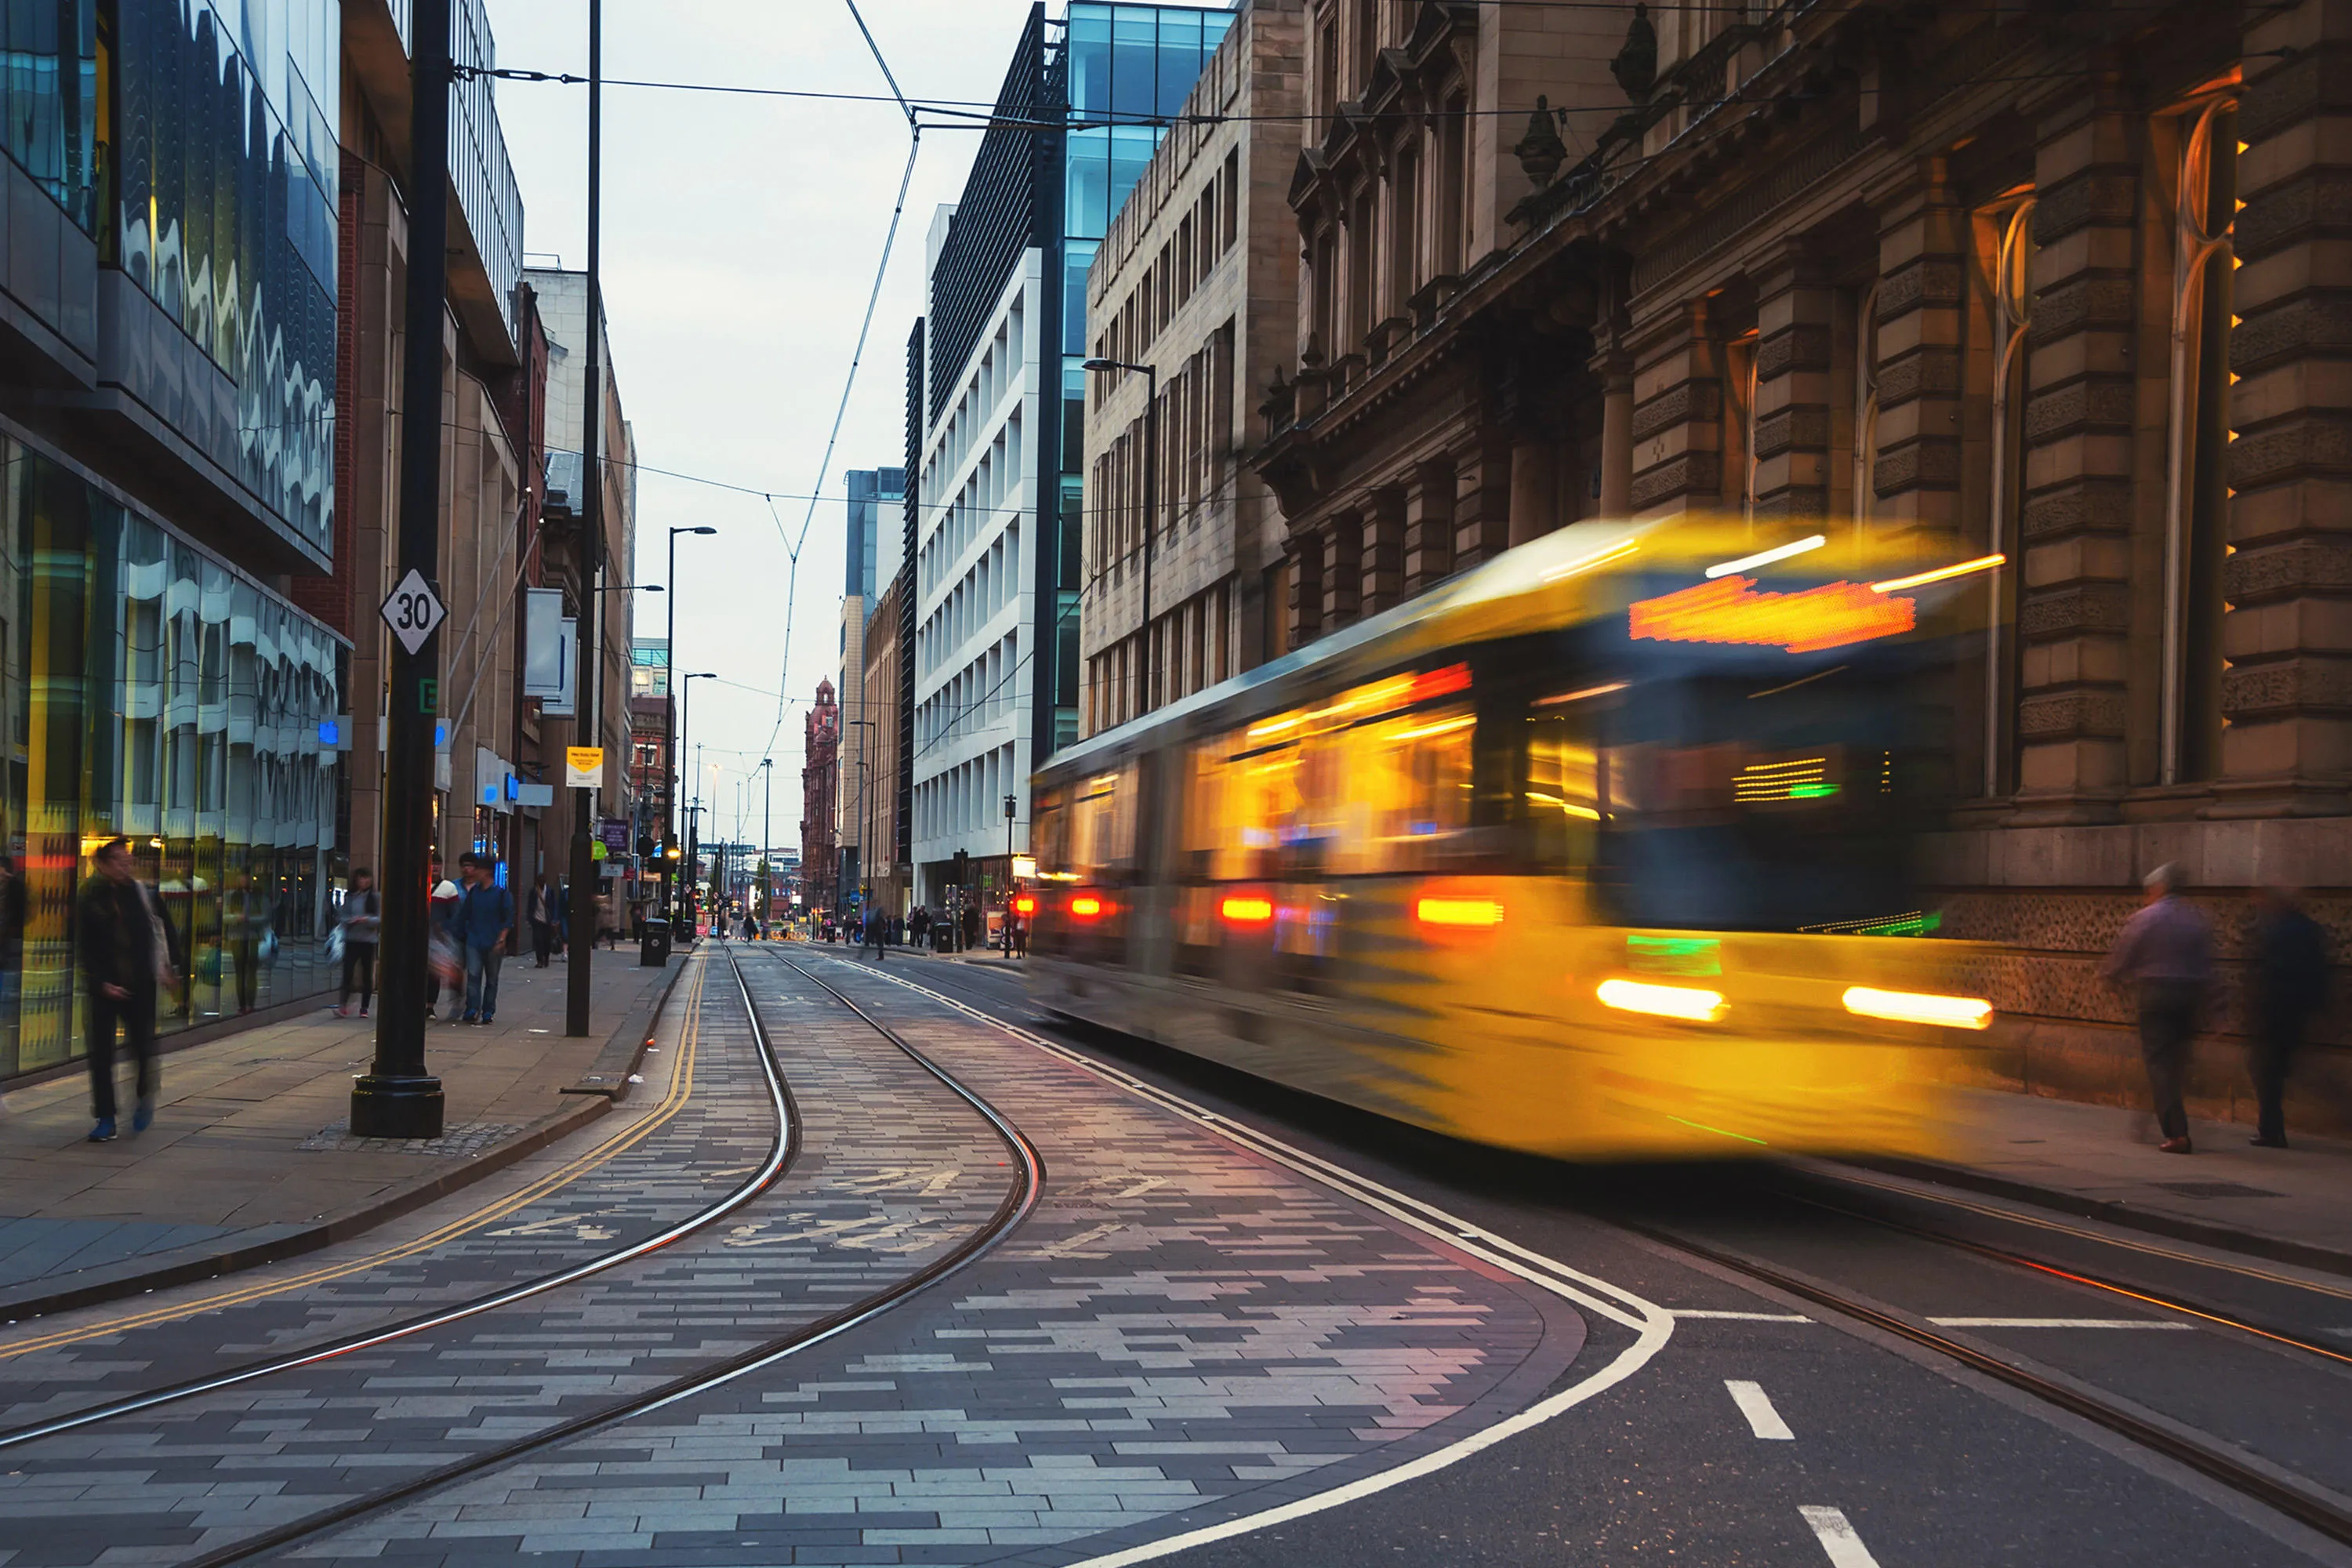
(413, 611)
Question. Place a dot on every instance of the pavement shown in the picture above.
(2292, 1205)
(249, 1158)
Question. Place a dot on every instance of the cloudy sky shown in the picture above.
(741, 235)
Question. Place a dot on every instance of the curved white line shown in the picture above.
(1653, 1326)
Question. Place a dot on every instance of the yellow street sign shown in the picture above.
(584, 767)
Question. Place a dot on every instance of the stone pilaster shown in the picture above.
(1482, 504)
(1383, 558)
(1428, 526)
(1343, 571)
(1677, 415)
(2076, 583)
(2287, 693)
(1616, 435)
(1305, 589)
(1794, 307)
(1923, 259)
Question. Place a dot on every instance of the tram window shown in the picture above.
(1086, 830)
(1393, 795)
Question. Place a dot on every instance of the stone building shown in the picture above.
(1194, 279)
(888, 879)
(820, 799)
(2060, 283)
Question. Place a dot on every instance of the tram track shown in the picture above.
(1018, 1201)
(2307, 1502)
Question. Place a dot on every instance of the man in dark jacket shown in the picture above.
(128, 950)
(2286, 983)
(485, 914)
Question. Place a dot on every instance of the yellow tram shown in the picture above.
(1603, 849)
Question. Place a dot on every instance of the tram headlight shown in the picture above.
(1916, 1008)
(1687, 1001)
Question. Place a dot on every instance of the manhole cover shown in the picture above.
(454, 1143)
(2216, 1190)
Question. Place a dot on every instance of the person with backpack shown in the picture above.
(362, 923)
(485, 914)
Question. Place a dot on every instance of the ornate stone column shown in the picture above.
(2287, 635)
(1428, 526)
(1482, 504)
(1922, 247)
(1343, 571)
(1677, 460)
(1384, 557)
(1793, 309)
(1616, 435)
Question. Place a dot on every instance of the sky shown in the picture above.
(741, 236)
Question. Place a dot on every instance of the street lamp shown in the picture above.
(686, 706)
(669, 731)
(865, 848)
(767, 840)
(1151, 499)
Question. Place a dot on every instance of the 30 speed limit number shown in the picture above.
(413, 611)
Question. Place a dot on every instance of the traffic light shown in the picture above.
(962, 869)
(644, 847)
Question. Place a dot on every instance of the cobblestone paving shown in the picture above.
(455, 1143)
(1179, 1331)
(846, 1220)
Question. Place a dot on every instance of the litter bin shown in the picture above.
(653, 953)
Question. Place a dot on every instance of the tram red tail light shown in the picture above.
(1086, 907)
(1458, 913)
(1025, 904)
(1247, 911)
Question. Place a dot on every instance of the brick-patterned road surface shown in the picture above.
(1179, 1331)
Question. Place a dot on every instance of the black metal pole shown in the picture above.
(397, 1097)
(1150, 520)
(592, 553)
(669, 741)
(685, 725)
(768, 841)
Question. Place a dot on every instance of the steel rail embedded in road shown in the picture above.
(1019, 1201)
(778, 1159)
(2285, 1496)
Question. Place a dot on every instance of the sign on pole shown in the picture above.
(413, 611)
(584, 767)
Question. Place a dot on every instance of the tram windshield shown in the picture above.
(1729, 799)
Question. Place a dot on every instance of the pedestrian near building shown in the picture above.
(2286, 978)
(2165, 953)
(485, 914)
(542, 921)
(443, 963)
(129, 952)
(362, 925)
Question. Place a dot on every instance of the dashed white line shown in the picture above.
(1756, 1405)
(1838, 1537)
(2057, 1324)
(1741, 1317)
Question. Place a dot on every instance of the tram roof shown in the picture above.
(1557, 580)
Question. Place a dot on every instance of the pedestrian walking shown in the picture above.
(2286, 984)
(542, 921)
(442, 963)
(878, 936)
(129, 952)
(362, 925)
(484, 915)
(2165, 953)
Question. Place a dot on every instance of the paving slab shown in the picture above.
(251, 1157)
(2293, 1204)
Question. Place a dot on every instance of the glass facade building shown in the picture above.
(219, 141)
(151, 690)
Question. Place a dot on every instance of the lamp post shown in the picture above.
(767, 839)
(1150, 500)
(587, 726)
(865, 865)
(685, 718)
(669, 733)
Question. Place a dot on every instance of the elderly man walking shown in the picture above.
(2165, 953)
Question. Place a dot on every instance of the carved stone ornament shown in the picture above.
(1540, 151)
(1636, 65)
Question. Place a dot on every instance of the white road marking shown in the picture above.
(1837, 1536)
(2057, 1324)
(1757, 1407)
(1740, 1317)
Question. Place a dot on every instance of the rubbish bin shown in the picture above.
(654, 951)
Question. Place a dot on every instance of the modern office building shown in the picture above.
(874, 494)
(996, 430)
(168, 291)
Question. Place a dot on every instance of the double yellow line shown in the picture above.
(680, 1089)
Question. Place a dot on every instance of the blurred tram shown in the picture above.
(1603, 849)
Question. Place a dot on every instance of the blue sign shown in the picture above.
(330, 733)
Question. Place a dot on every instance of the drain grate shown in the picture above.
(2216, 1190)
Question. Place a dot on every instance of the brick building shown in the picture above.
(1194, 279)
(820, 800)
(2052, 282)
